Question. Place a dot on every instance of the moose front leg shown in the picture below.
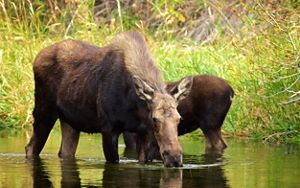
(147, 148)
(110, 146)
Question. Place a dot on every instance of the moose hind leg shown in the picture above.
(44, 119)
(214, 140)
(69, 142)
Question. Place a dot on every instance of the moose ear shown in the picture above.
(182, 89)
(142, 89)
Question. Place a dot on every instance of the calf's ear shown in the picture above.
(142, 89)
(182, 89)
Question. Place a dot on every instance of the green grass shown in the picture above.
(262, 65)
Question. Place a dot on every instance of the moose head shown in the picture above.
(164, 116)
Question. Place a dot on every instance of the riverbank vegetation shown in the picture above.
(255, 47)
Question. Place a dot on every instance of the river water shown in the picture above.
(244, 164)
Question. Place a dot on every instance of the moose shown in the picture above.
(205, 107)
(112, 89)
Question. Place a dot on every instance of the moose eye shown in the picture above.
(155, 120)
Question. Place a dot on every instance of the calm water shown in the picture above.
(243, 164)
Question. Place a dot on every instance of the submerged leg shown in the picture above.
(222, 140)
(44, 119)
(110, 146)
(69, 142)
(214, 139)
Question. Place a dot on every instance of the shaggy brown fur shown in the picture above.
(111, 89)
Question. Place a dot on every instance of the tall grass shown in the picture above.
(261, 64)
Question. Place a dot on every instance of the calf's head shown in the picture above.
(164, 117)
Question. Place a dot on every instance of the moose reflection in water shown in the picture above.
(111, 89)
(209, 173)
(212, 173)
(70, 177)
(40, 175)
(70, 173)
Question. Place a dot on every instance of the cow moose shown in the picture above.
(110, 90)
(205, 107)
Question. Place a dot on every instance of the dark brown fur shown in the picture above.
(111, 89)
(205, 107)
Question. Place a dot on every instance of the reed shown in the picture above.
(261, 63)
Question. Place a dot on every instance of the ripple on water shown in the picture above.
(126, 163)
(12, 155)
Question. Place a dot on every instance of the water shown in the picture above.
(243, 164)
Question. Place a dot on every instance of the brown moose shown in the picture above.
(205, 107)
(108, 89)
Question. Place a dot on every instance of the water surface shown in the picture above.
(243, 164)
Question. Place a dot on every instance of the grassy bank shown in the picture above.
(261, 64)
